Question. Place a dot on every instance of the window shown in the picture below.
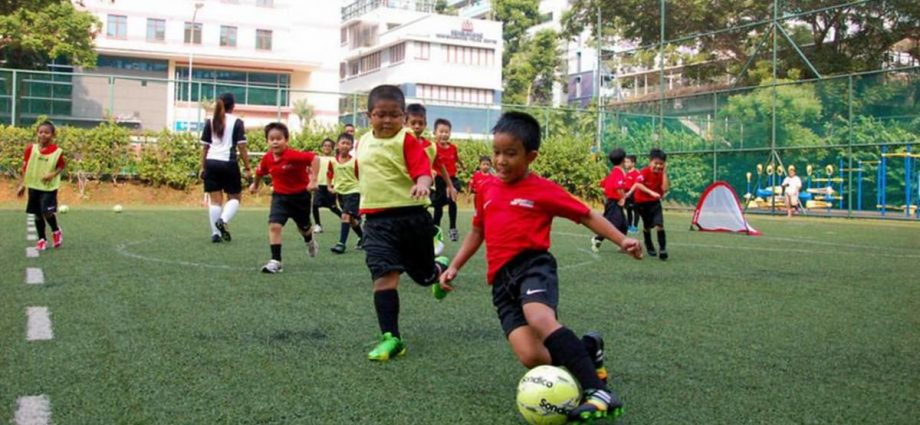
(343, 35)
(192, 33)
(455, 94)
(422, 50)
(117, 27)
(397, 53)
(343, 70)
(263, 39)
(227, 36)
(370, 62)
(134, 64)
(265, 3)
(353, 68)
(469, 55)
(156, 29)
(249, 88)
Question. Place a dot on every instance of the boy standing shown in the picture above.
(42, 166)
(650, 186)
(481, 175)
(632, 218)
(394, 185)
(323, 198)
(614, 190)
(514, 214)
(792, 184)
(448, 157)
(343, 178)
(291, 186)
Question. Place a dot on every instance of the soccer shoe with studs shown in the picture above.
(57, 238)
(223, 227)
(41, 245)
(360, 244)
(454, 235)
(442, 263)
(272, 266)
(317, 228)
(597, 404)
(663, 255)
(388, 348)
(438, 241)
(596, 244)
(216, 239)
(339, 248)
(594, 343)
(312, 247)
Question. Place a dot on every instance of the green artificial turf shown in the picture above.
(815, 322)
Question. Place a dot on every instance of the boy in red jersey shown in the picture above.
(482, 174)
(632, 217)
(448, 157)
(291, 186)
(650, 186)
(417, 120)
(394, 185)
(614, 190)
(514, 214)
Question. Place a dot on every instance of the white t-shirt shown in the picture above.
(793, 185)
(224, 148)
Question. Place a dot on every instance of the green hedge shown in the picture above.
(107, 152)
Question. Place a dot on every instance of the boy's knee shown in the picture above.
(532, 358)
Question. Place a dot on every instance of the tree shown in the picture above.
(532, 72)
(304, 111)
(36, 32)
(517, 16)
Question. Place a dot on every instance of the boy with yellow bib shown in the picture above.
(41, 174)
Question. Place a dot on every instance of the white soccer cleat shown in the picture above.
(272, 266)
(595, 245)
(317, 228)
(312, 247)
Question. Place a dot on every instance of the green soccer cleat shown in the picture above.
(598, 404)
(438, 241)
(436, 290)
(388, 348)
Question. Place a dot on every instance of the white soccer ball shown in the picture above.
(63, 209)
(546, 395)
(117, 208)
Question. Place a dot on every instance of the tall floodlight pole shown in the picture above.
(191, 57)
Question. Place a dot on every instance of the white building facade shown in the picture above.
(450, 64)
(269, 53)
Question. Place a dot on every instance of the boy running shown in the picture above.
(394, 185)
(514, 214)
(323, 198)
(343, 175)
(614, 190)
(42, 166)
(291, 186)
(650, 186)
(448, 157)
(632, 217)
(417, 120)
(481, 175)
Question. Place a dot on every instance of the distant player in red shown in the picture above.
(651, 185)
(449, 157)
(483, 174)
(632, 173)
(615, 191)
(514, 215)
(291, 186)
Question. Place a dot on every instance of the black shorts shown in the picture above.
(295, 207)
(222, 176)
(41, 202)
(530, 277)
(350, 204)
(651, 214)
(323, 198)
(401, 240)
(630, 203)
(439, 197)
(613, 212)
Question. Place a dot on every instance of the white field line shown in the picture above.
(31, 237)
(35, 276)
(31, 252)
(31, 228)
(33, 410)
(38, 326)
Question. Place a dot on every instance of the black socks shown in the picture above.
(567, 350)
(647, 235)
(276, 252)
(40, 226)
(662, 242)
(386, 302)
(343, 233)
(52, 221)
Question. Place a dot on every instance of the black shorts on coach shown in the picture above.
(401, 240)
(41, 202)
(222, 176)
(529, 277)
(651, 214)
(295, 207)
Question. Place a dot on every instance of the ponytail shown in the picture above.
(222, 106)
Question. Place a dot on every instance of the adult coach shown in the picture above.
(224, 135)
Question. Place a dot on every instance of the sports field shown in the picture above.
(816, 322)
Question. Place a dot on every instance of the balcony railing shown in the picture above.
(361, 7)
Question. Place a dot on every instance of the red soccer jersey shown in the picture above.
(479, 178)
(47, 150)
(518, 217)
(289, 173)
(613, 183)
(631, 177)
(448, 157)
(651, 180)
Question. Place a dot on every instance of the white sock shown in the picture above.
(213, 215)
(230, 209)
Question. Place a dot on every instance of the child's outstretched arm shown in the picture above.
(600, 226)
(314, 174)
(471, 244)
(645, 189)
(256, 183)
(665, 181)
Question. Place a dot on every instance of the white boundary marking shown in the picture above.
(32, 237)
(34, 275)
(31, 229)
(38, 327)
(33, 410)
(31, 252)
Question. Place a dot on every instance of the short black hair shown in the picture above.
(656, 153)
(617, 156)
(349, 125)
(485, 158)
(386, 92)
(346, 136)
(48, 123)
(277, 126)
(327, 140)
(522, 126)
(631, 158)
(442, 121)
(417, 109)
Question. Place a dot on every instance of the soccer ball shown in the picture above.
(63, 209)
(117, 208)
(546, 394)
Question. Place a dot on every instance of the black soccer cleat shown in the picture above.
(594, 344)
(216, 239)
(598, 404)
(651, 251)
(222, 226)
(339, 248)
(663, 255)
